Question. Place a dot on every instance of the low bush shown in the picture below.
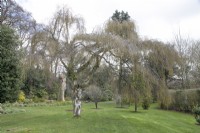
(1, 110)
(38, 99)
(13, 110)
(146, 103)
(10, 110)
(196, 112)
(30, 103)
(185, 100)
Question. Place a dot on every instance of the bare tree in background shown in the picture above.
(95, 94)
(184, 65)
(195, 58)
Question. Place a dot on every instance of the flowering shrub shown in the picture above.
(21, 97)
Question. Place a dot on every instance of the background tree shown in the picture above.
(9, 65)
(13, 15)
(40, 85)
(195, 58)
(103, 78)
(138, 86)
(182, 45)
(122, 27)
(160, 60)
(62, 79)
(139, 82)
(95, 94)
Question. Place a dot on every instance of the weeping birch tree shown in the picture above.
(80, 54)
(121, 26)
(160, 60)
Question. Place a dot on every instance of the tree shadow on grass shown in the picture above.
(138, 112)
(198, 124)
(97, 108)
(19, 130)
(69, 110)
(122, 107)
(132, 111)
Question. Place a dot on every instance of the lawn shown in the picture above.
(106, 119)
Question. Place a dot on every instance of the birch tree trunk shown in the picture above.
(77, 102)
(63, 88)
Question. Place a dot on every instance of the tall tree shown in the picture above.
(122, 27)
(182, 46)
(14, 15)
(79, 53)
(138, 86)
(160, 59)
(9, 65)
(24, 24)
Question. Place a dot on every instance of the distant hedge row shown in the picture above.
(184, 100)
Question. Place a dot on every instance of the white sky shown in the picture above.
(155, 19)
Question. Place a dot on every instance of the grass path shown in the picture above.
(107, 119)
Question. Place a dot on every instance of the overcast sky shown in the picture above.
(155, 19)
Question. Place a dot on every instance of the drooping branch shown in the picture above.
(66, 67)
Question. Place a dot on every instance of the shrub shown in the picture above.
(21, 96)
(38, 100)
(1, 110)
(28, 101)
(42, 94)
(184, 100)
(146, 103)
(95, 94)
(13, 110)
(107, 95)
(196, 112)
(165, 100)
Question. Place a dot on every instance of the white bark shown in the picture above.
(77, 103)
(63, 87)
(77, 109)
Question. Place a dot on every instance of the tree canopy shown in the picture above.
(9, 64)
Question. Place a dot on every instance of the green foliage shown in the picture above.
(9, 65)
(21, 96)
(138, 81)
(42, 94)
(160, 60)
(28, 101)
(107, 95)
(120, 16)
(122, 26)
(184, 100)
(164, 97)
(102, 78)
(1, 110)
(196, 112)
(138, 87)
(146, 103)
(31, 103)
(38, 100)
(13, 110)
(41, 84)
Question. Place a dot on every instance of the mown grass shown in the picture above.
(106, 119)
